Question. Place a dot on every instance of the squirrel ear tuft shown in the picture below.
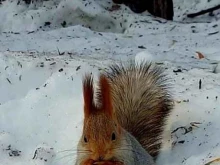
(88, 94)
(105, 95)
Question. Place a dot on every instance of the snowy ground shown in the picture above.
(46, 48)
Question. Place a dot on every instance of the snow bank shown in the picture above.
(91, 29)
(39, 120)
(56, 14)
(42, 124)
(92, 14)
(46, 47)
(199, 106)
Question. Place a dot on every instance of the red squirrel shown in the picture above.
(124, 116)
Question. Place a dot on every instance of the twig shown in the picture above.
(213, 33)
(60, 52)
(8, 80)
(200, 84)
(192, 15)
(185, 129)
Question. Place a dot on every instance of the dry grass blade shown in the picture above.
(213, 161)
(200, 55)
(194, 124)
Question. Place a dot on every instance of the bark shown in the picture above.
(159, 8)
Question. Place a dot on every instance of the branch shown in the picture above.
(192, 15)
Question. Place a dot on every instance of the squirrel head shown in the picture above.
(101, 132)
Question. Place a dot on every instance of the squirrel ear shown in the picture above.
(88, 94)
(105, 95)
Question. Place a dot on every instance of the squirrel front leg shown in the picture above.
(92, 162)
(108, 163)
(88, 162)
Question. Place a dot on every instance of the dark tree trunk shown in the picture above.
(159, 8)
(163, 9)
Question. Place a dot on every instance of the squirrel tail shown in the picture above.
(142, 101)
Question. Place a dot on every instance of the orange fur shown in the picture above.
(88, 162)
(88, 93)
(99, 141)
(105, 91)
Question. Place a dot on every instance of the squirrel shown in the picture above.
(124, 118)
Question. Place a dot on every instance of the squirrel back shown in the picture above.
(141, 101)
(103, 140)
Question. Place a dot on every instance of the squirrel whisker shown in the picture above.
(58, 152)
(69, 155)
(71, 150)
(72, 154)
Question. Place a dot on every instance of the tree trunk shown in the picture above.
(163, 9)
(159, 8)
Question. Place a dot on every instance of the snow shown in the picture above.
(47, 47)
(143, 56)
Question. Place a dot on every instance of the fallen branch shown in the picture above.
(192, 15)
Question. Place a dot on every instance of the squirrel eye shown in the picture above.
(85, 139)
(113, 136)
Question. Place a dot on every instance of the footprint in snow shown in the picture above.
(8, 146)
(43, 155)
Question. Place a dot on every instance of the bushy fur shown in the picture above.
(103, 140)
(141, 101)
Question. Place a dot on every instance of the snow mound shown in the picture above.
(46, 48)
(55, 14)
(143, 56)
